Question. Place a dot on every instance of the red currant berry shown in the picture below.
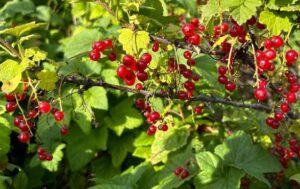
(270, 54)
(10, 97)
(25, 126)
(164, 127)
(18, 120)
(277, 41)
(285, 107)
(44, 107)
(112, 56)
(224, 27)
(32, 114)
(98, 46)
(294, 87)
(49, 157)
(42, 157)
(140, 103)
(251, 21)
(108, 43)
(291, 97)
(94, 55)
(222, 79)
(154, 116)
(146, 58)
(261, 94)
(259, 54)
(198, 110)
(11, 106)
(291, 57)
(182, 95)
(122, 71)
(260, 26)
(41, 151)
(222, 70)
(64, 130)
(185, 173)
(195, 22)
(151, 130)
(278, 116)
(58, 115)
(201, 28)
(230, 86)
(264, 64)
(178, 171)
(129, 61)
(139, 86)
(187, 54)
(268, 44)
(194, 39)
(142, 76)
(189, 85)
(24, 137)
(188, 29)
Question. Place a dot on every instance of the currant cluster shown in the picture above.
(43, 155)
(26, 122)
(98, 47)
(181, 172)
(286, 154)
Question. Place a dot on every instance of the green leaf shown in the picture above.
(133, 41)
(20, 181)
(241, 10)
(190, 6)
(35, 54)
(119, 147)
(96, 98)
(276, 22)
(82, 113)
(278, 4)
(5, 128)
(296, 177)
(214, 174)
(239, 152)
(52, 165)
(9, 70)
(124, 116)
(47, 79)
(81, 42)
(104, 163)
(11, 85)
(19, 30)
(12, 8)
(82, 148)
(166, 142)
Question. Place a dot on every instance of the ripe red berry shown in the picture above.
(154, 116)
(41, 151)
(129, 61)
(261, 94)
(140, 103)
(260, 26)
(178, 171)
(194, 39)
(294, 87)
(275, 124)
(195, 22)
(185, 173)
(49, 157)
(278, 116)
(129, 82)
(285, 107)
(189, 85)
(142, 76)
(188, 29)
(58, 115)
(10, 97)
(112, 56)
(201, 28)
(122, 71)
(18, 120)
(222, 79)
(42, 157)
(164, 127)
(269, 121)
(291, 57)
(187, 54)
(264, 64)
(251, 21)
(270, 54)
(44, 107)
(259, 54)
(151, 130)
(94, 55)
(146, 58)
(198, 110)
(224, 27)
(24, 137)
(222, 70)
(98, 46)
(11, 106)
(25, 126)
(108, 43)
(268, 44)
(191, 62)
(182, 95)
(139, 86)
(32, 114)
(291, 97)
(155, 47)
(64, 130)
(225, 47)
(230, 86)
(277, 41)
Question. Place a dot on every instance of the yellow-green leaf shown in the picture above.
(35, 54)
(276, 23)
(9, 69)
(220, 41)
(133, 41)
(11, 85)
(47, 79)
(19, 30)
